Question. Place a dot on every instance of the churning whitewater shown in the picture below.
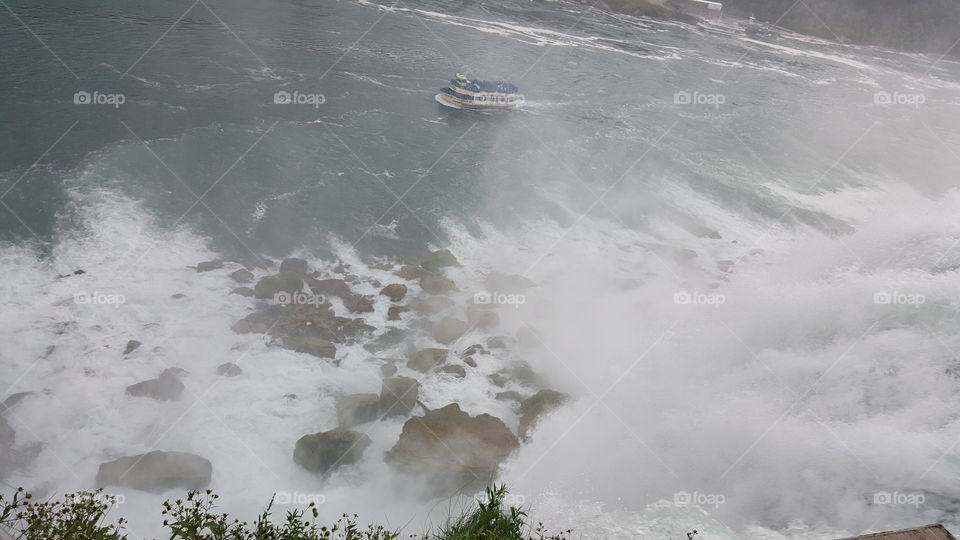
(736, 262)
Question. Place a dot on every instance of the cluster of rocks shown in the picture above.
(447, 447)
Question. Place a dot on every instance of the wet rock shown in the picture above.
(389, 339)
(432, 305)
(243, 291)
(437, 284)
(449, 329)
(450, 449)
(725, 266)
(358, 304)
(311, 345)
(268, 287)
(398, 396)
(507, 283)
(166, 387)
(13, 399)
(322, 452)
(330, 287)
(294, 266)
(483, 319)
(179, 372)
(388, 370)
(229, 369)
(499, 379)
(497, 342)
(132, 345)
(242, 276)
(536, 406)
(356, 409)
(476, 348)
(395, 292)
(410, 272)
(178, 296)
(426, 359)
(438, 259)
(510, 395)
(156, 472)
(454, 369)
(393, 312)
(470, 361)
(207, 266)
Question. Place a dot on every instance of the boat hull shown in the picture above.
(451, 101)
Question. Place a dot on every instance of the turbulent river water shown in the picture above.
(746, 252)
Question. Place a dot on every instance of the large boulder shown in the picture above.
(395, 292)
(207, 266)
(310, 345)
(132, 345)
(451, 449)
(294, 265)
(321, 452)
(268, 287)
(398, 396)
(166, 387)
(156, 472)
(242, 275)
(426, 359)
(356, 409)
(330, 287)
(229, 369)
(436, 260)
(449, 329)
(536, 406)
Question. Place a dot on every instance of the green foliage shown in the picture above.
(82, 515)
(491, 521)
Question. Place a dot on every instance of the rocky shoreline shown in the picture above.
(318, 312)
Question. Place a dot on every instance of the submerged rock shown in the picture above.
(432, 305)
(437, 284)
(485, 319)
(156, 472)
(426, 359)
(395, 292)
(393, 312)
(454, 369)
(398, 396)
(356, 409)
(166, 387)
(330, 287)
(310, 345)
(243, 291)
(321, 452)
(358, 304)
(268, 287)
(13, 399)
(449, 329)
(451, 449)
(207, 266)
(438, 259)
(132, 345)
(242, 275)
(229, 369)
(536, 406)
(507, 283)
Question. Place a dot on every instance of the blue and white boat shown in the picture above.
(466, 93)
